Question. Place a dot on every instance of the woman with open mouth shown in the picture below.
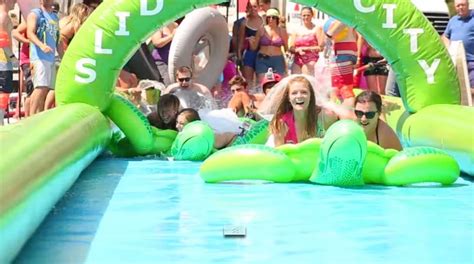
(297, 117)
(367, 108)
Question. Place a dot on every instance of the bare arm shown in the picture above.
(284, 36)
(446, 41)
(388, 137)
(159, 40)
(31, 32)
(241, 39)
(19, 33)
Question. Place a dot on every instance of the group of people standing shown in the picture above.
(44, 38)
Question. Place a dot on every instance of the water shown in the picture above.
(149, 211)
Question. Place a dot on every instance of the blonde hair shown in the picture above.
(285, 106)
(78, 15)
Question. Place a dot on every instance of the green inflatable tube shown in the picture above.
(195, 142)
(248, 162)
(446, 127)
(348, 161)
(38, 167)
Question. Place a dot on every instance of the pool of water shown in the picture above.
(148, 211)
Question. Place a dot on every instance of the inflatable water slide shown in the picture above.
(43, 156)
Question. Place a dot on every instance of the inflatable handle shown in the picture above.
(342, 155)
(421, 164)
(195, 142)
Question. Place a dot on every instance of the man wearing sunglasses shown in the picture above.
(367, 109)
(191, 94)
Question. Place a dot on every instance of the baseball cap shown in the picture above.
(272, 12)
(275, 78)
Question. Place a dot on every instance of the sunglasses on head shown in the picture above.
(368, 115)
(186, 79)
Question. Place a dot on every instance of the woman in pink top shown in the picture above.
(306, 43)
(297, 117)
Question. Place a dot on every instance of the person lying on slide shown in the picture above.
(367, 108)
(188, 115)
(167, 107)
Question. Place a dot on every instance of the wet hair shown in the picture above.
(238, 80)
(369, 96)
(168, 101)
(285, 106)
(190, 114)
(184, 69)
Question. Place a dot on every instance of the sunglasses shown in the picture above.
(368, 115)
(273, 17)
(187, 79)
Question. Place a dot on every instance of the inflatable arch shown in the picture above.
(89, 68)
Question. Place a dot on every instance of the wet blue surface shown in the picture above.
(149, 211)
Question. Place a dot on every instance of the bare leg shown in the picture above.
(381, 83)
(308, 68)
(49, 102)
(296, 69)
(38, 98)
(27, 106)
(249, 73)
(223, 140)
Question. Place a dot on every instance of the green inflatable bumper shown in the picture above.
(42, 157)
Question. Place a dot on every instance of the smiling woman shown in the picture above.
(297, 117)
(368, 106)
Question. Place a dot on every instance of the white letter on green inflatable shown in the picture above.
(358, 5)
(80, 67)
(122, 24)
(98, 43)
(429, 70)
(389, 23)
(413, 32)
(145, 12)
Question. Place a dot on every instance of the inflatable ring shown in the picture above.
(319, 161)
(205, 26)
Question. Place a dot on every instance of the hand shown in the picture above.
(281, 134)
(46, 48)
(300, 51)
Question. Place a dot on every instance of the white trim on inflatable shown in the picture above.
(204, 22)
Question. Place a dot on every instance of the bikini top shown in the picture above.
(306, 40)
(291, 136)
(250, 32)
(266, 41)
